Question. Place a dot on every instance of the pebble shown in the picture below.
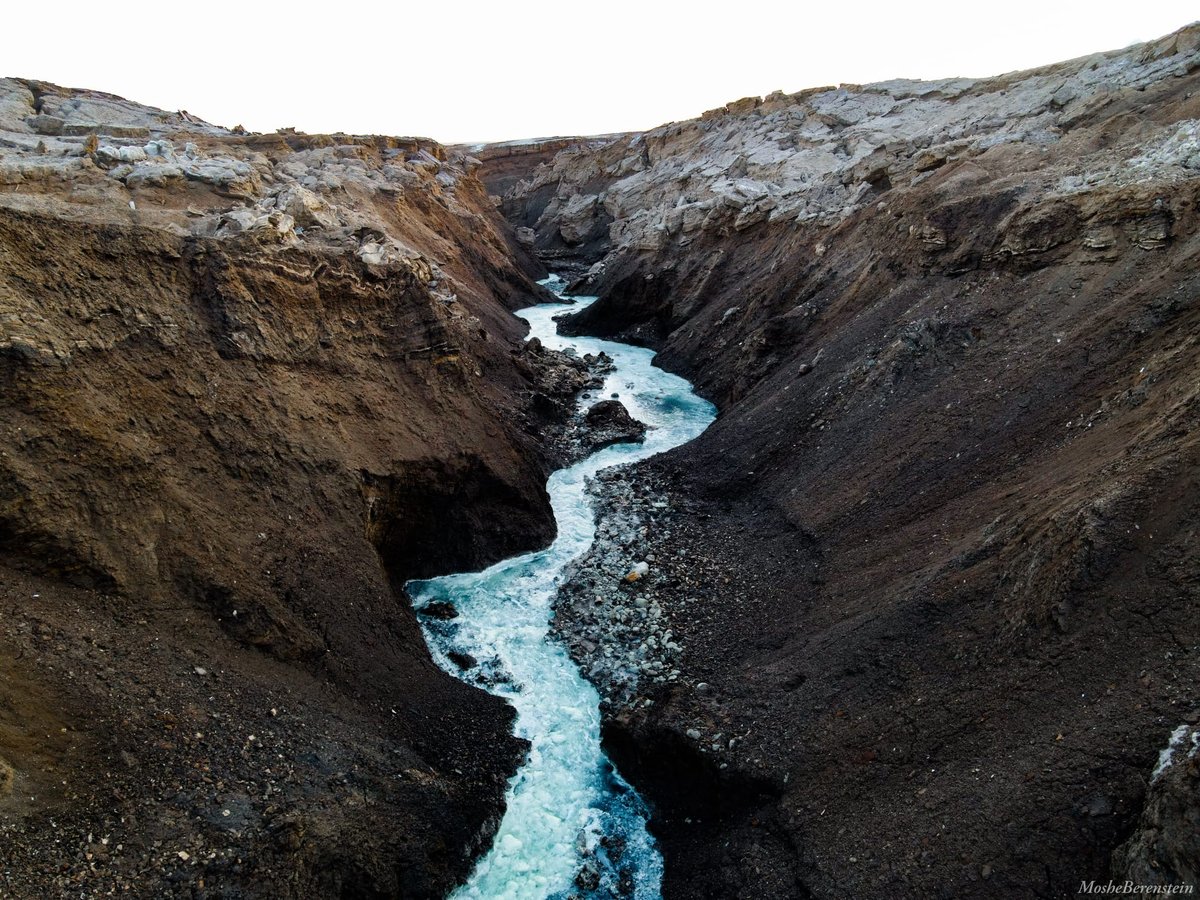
(642, 568)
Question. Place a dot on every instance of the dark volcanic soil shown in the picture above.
(156, 758)
(933, 571)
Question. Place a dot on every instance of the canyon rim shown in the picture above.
(916, 615)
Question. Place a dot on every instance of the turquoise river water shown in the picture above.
(567, 808)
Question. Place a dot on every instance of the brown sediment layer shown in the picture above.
(250, 385)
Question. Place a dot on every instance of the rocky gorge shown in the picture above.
(916, 616)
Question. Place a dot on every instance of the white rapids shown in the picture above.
(567, 808)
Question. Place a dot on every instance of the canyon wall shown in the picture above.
(932, 571)
(250, 385)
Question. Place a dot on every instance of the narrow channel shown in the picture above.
(572, 825)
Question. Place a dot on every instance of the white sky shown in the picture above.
(467, 71)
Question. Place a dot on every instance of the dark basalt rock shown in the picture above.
(439, 609)
(608, 422)
(1164, 848)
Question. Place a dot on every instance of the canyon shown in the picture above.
(915, 616)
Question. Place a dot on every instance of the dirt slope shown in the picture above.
(250, 384)
(932, 571)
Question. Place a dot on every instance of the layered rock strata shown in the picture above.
(250, 385)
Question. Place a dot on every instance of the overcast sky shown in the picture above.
(495, 71)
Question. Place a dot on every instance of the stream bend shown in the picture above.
(571, 824)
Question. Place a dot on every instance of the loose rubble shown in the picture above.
(607, 611)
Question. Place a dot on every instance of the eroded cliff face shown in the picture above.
(931, 571)
(250, 385)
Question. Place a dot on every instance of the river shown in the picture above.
(568, 812)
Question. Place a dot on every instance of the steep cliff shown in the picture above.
(250, 385)
(931, 573)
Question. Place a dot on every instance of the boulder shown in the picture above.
(149, 174)
(239, 219)
(608, 422)
(637, 573)
(577, 219)
(16, 105)
(439, 609)
(1164, 848)
(41, 124)
(307, 208)
(131, 154)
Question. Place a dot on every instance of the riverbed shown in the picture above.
(572, 824)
